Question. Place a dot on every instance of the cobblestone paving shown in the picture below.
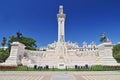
(85, 75)
(63, 76)
(98, 75)
(24, 75)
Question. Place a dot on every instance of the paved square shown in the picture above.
(39, 75)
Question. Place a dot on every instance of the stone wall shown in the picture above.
(101, 55)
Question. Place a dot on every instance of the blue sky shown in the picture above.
(85, 21)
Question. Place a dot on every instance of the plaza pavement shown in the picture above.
(80, 75)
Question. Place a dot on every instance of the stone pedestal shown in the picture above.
(16, 54)
(106, 54)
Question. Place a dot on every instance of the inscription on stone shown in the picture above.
(108, 45)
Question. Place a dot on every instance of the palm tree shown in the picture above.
(3, 42)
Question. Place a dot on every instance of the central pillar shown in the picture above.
(61, 21)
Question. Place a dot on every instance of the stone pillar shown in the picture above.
(16, 54)
(106, 54)
(61, 21)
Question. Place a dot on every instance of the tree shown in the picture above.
(27, 41)
(4, 54)
(116, 52)
(3, 42)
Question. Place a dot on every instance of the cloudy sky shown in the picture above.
(85, 21)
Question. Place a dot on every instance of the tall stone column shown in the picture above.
(61, 22)
(61, 48)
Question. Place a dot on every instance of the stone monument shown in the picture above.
(16, 54)
(62, 54)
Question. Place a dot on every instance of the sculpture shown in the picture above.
(19, 36)
(103, 38)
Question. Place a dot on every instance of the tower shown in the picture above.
(61, 22)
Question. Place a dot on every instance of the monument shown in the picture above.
(62, 54)
(16, 54)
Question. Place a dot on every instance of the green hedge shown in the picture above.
(92, 68)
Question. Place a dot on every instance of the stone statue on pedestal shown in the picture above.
(19, 36)
(103, 38)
